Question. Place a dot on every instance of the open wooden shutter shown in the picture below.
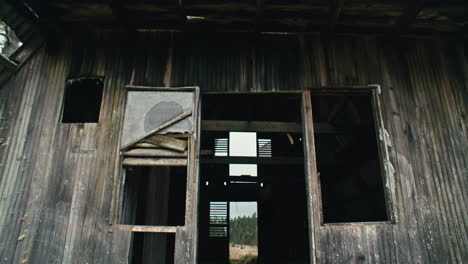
(161, 128)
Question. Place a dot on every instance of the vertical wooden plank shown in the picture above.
(311, 171)
(186, 237)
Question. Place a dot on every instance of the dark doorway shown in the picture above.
(269, 173)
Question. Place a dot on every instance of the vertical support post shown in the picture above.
(313, 197)
(187, 236)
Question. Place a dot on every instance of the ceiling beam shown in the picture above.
(252, 160)
(268, 126)
(409, 16)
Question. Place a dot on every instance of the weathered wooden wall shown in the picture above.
(56, 179)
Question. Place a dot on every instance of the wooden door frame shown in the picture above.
(185, 236)
(314, 197)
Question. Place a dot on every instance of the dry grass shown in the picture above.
(239, 251)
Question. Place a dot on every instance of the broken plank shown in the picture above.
(167, 142)
(161, 127)
(180, 135)
(145, 145)
(149, 152)
(154, 162)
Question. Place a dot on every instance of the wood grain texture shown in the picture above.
(149, 152)
(61, 177)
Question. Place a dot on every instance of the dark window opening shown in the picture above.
(152, 248)
(252, 153)
(154, 196)
(348, 159)
(82, 100)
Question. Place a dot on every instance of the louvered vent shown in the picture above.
(264, 147)
(218, 219)
(221, 147)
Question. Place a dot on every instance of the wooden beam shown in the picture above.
(161, 127)
(264, 126)
(167, 142)
(154, 162)
(253, 126)
(300, 17)
(150, 152)
(147, 229)
(252, 160)
(409, 16)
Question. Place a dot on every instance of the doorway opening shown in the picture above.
(253, 205)
(243, 232)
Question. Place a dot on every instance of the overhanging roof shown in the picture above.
(359, 16)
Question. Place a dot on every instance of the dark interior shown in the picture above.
(83, 98)
(348, 159)
(149, 248)
(154, 196)
(279, 189)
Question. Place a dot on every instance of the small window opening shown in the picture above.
(152, 248)
(221, 147)
(9, 42)
(242, 144)
(243, 173)
(243, 170)
(348, 159)
(154, 196)
(82, 100)
(243, 234)
(264, 148)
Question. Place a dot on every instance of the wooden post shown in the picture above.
(313, 197)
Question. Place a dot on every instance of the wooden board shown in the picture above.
(167, 142)
(148, 152)
(154, 162)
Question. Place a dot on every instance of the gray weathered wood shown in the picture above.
(144, 152)
(154, 162)
(60, 178)
(161, 127)
(147, 229)
(312, 182)
(167, 142)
